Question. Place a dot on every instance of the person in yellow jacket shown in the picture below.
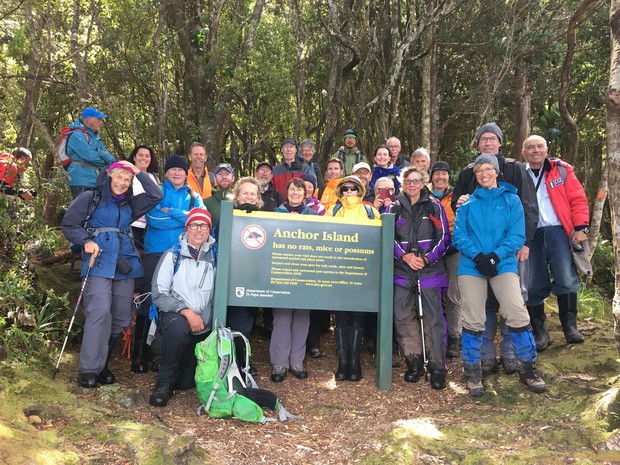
(350, 325)
(199, 179)
(327, 194)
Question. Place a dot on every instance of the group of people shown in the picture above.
(458, 254)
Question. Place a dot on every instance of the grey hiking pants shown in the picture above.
(107, 305)
(288, 337)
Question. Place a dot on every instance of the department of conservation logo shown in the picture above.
(253, 236)
(240, 291)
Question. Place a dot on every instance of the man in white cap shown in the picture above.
(224, 178)
(87, 152)
(364, 173)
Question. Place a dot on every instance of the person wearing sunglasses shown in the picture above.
(349, 330)
(421, 239)
(183, 286)
(489, 230)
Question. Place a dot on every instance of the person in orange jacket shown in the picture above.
(198, 177)
(12, 166)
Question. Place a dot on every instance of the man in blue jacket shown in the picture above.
(87, 151)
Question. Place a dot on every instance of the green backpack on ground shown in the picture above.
(223, 390)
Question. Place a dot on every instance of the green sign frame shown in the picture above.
(311, 262)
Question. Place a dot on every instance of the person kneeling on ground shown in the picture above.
(489, 231)
(183, 285)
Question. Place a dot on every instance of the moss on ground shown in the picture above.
(45, 421)
(510, 425)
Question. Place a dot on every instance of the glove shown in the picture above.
(248, 207)
(486, 264)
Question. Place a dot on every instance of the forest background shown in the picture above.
(239, 76)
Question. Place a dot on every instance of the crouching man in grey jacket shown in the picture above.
(183, 285)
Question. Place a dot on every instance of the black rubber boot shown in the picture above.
(567, 306)
(342, 350)
(106, 376)
(415, 368)
(453, 350)
(140, 351)
(355, 368)
(537, 320)
(438, 376)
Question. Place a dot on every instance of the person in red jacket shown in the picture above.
(12, 166)
(563, 223)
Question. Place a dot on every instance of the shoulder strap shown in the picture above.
(337, 206)
(93, 203)
(563, 172)
(176, 257)
(369, 212)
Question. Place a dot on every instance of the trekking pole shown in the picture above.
(421, 316)
(77, 304)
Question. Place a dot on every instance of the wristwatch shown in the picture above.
(586, 230)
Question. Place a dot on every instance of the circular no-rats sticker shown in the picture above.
(253, 236)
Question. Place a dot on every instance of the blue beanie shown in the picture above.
(309, 178)
(489, 127)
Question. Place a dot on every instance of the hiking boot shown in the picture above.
(415, 368)
(315, 352)
(489, 365)
(299, 371)
(510, 365)
(438, 378)
(161, 395)
(87, 380)
(253, 371)
(278, 373)
(529, 377)
(395, 360)
(473, 377)
(106, 376)
(567, 307)
(453, 350)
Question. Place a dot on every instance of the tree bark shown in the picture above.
(523, 110)
(571, 151)
(612, 103)
(597, 211)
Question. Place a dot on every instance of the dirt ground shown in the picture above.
(577, 421)
(348, 422)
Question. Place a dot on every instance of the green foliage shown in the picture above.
(591, 303)
(29, 315)
(603, 266)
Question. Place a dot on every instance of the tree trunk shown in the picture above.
(573, 145)
(524, 109)
(597, 211)
(612, 103)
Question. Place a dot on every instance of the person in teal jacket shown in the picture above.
(489, 231)
(87, 151)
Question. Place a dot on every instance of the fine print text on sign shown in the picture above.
(292, 261)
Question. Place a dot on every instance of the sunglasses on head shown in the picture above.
(350, 188)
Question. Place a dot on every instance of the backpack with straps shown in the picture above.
(225, 390)
(61, 148)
